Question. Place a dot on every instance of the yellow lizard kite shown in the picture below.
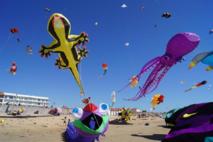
(65, 45)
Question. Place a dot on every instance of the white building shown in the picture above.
(24, 100)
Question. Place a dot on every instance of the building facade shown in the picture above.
(24, 100)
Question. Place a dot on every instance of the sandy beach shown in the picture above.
(50, 129)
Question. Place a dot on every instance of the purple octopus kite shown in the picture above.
(177, 47)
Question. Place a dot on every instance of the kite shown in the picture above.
(134, 81)
(156, 100)
(197, 85)
(204, 57)
(211, 31)
(124, 6)
(96, 23)
(178, 46)
(13, 68)
(192, 124)
(47, 9)
(105, 68)
(126, 44)
(89, 124)
(86, 100)
(125, 115)
(15, 32)
(166, 15)
(29, 50)
(66, 46)
(113, 98)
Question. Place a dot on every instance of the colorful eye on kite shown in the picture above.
(77, 113)
(104, 109)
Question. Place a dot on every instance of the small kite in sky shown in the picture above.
(124, 6)
(211, 31)
(156, 100)
(166, 15)
(13, 68)
(105, 68)
(14, 30)
(15, 33)
(134, 81)
(126, 44)
(29, 50)
(199, 84)
(113, 98)
(96, 23)
(47, 9)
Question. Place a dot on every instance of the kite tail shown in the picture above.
(187, 90)
(151, 64)
(77, 78)
(152, 82)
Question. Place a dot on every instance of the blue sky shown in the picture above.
(39, 76)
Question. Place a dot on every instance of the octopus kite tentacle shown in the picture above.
(152, 82)
(147, 67)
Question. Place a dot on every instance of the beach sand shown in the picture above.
(50, 129)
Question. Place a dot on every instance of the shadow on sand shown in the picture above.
(63, 137)
(151, 137)
(164, 126)
(117, 122)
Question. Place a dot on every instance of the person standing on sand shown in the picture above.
(65, 120)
